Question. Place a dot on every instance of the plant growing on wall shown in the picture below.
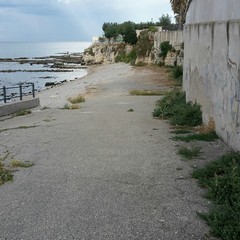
(165, 48)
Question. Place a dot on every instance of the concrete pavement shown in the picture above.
(100, 172)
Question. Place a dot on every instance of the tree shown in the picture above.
(179, 8)
(128, 31)
(111, 30)
(165, 21)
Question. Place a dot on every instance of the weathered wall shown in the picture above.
(176, 39)
(212, 64)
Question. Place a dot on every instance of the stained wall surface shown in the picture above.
(212, 64)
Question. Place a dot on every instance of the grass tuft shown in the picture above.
(78, 99)
(221, 178)
(18, 163)
(23, 112)
(138, 92)
(71, 106)
(5, 174)
(181, 131)
(206, 137)
(189, 153)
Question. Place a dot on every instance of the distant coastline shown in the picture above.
(43, 62)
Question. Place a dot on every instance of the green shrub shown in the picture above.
(221, 178)
(23, 112)
(127, 58)
(207, 137)
(189, 153)
(177, 72)
(165, 47)
(175, 107)
(5, 174)
(187, 114)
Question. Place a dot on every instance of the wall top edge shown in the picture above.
(212, 22)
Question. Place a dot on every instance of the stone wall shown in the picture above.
(212, 64)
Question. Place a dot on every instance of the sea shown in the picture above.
(37, 50)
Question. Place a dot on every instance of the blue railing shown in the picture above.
(17, 91)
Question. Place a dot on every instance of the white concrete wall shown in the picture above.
(174, 37)
(212, 64)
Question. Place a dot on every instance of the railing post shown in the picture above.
(20, 88)
(33, 90)
(4, 94)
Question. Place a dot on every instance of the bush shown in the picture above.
(165, 47)
(180, 112)
(222, 180)
(127, 58)
(177, 72)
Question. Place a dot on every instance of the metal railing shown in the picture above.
(23, 89)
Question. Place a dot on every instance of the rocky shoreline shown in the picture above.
(63, 63)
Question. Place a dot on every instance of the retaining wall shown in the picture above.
(212, 64)
(10, 108)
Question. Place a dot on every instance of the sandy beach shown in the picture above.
(140, 78)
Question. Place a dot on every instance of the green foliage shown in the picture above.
(127, 58)
(5, 174)
(23, 112)
(187, 114)
(177, 72)
(181, 131)
(128, 31)
(111, 30)
(165, 47)
(18, 163)
(144, 45)
(207, 137)
(152, 29)
(165, 20)
(221, 178)
(189, 153)
(180, 112)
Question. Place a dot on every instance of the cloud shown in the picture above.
(71, 19)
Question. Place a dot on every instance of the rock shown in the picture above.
(48, 84)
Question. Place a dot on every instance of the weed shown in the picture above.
(207, 137)
(180, 112)
(23, 112)
(181, 131)
(71, 106)
(130, 110)
(189, 153)
(74, 106)
(138, 92)
(78, 99)
(5, 174)
(221, 178)
(18, 163)
(165, 47)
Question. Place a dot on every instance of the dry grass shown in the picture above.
(71, 106)
(77, 99)
(210, 127)
(139, 92)
(18, 163)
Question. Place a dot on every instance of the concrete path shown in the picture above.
(100, 172)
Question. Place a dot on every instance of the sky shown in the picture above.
(72, 20)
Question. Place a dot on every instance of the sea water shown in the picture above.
(36, 50)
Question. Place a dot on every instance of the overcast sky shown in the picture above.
(71, 20)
